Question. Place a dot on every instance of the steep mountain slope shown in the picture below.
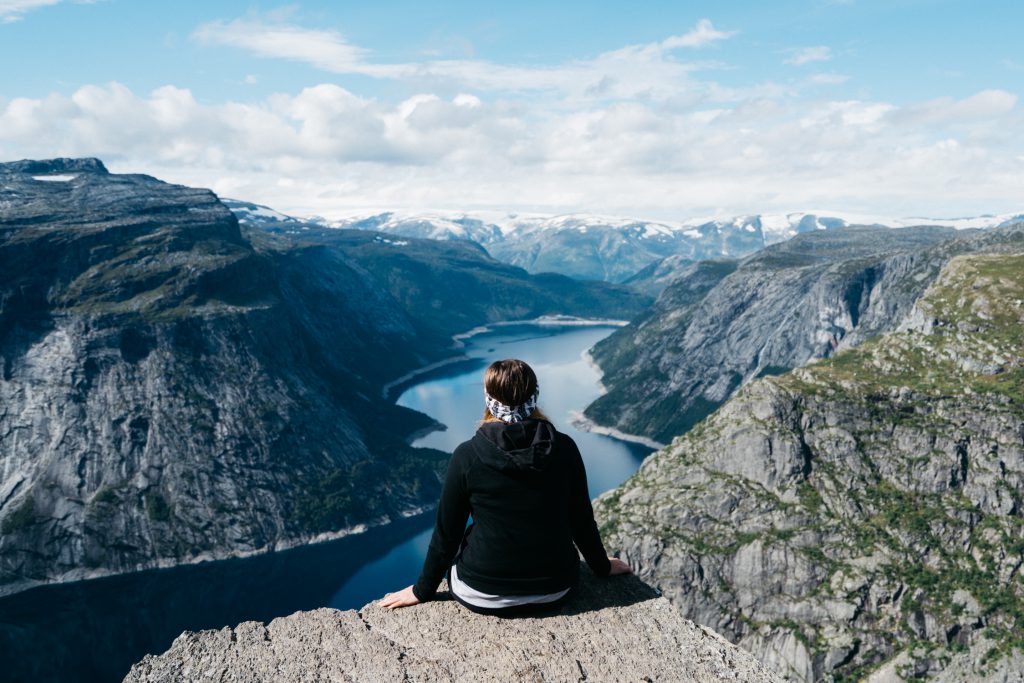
(452, 286)
(778, 309)
(698, 275)
(172, 388)
(862, 514)
(654, 278)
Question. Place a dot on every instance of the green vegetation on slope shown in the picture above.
(867, 505)
(968, 338)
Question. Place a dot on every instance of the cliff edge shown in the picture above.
(614, 629)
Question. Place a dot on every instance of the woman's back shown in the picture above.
(527, 493)
(525, 486)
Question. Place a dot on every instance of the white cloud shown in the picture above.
(13, 10)
(323, 49)
(848, 114)
(827, 79)
(985, 104)
(806, 55)
(464, 100)
(980, 107)
(326, 150)
(646, 69)
(704, 33)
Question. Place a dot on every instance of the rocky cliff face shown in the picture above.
(860, 518)
(614, 630)
(448, 287)
(719, 326)
(655, 278)
(172, 388)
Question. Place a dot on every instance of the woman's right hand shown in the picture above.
(402, 598)
(618, 567)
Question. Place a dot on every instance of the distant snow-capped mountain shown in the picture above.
(424, 225)
(594, 247)
(254, 214)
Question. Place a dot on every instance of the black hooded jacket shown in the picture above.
(526, 488)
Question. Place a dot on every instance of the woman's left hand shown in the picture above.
(618, 567)
(403, 598)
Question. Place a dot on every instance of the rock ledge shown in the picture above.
(614, 630)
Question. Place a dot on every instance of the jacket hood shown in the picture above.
(522, 446)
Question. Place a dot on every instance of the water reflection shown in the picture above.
(567, 384)
(95, 630)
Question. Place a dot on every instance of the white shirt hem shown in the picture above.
(478, 599)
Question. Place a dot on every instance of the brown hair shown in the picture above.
(512, 382)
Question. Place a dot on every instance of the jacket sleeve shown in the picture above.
(452, 515)
(581, 515)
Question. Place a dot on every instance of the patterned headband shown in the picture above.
(512, 414)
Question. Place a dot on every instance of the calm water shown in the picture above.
(95, 630)
(567, 384)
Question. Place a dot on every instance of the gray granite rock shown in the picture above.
(616, 629)
(169, 390)
(716, 328)
(862, 515)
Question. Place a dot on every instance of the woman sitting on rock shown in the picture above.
(525, 486)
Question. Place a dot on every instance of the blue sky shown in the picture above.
(656, 109)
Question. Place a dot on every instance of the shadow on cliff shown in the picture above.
(596, 593)
(591, 595)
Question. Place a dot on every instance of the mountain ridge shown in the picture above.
(612, 248)
(721, 324)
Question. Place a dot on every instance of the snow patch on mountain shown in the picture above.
(60, 178)
(247, 212)
(594, 246)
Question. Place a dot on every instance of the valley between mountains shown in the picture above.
(177, 388)
(841, 490)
